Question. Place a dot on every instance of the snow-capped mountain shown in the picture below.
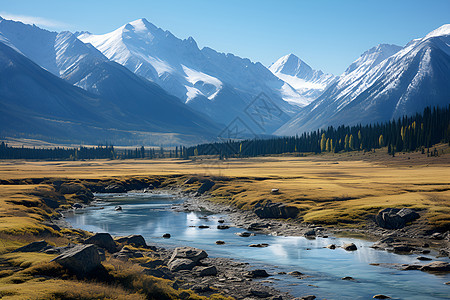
(219, 85)
(308, 83)
(128, 101)
(386, 82)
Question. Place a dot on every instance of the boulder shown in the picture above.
(203, 226)
(103, 240)
(206, 271)
(347, 278)
(436, 266)
(309, 297)
(134, 240)
(331, 246)
(115, 188)
(191, 253)
(349, 247)
(295, 273)
(258, 245)
(257, 273)
(311, 232)
(206, 186)
(259, 294)
(223, 226)
(243, 234)
(166, 235)
(181, 264)
(77, 206)
(379, 296)
(33, 247)
(81, 259)
(395, 218)
(271, 210)
(423, 258)
(220, 242)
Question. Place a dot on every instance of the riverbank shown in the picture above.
(330, 197)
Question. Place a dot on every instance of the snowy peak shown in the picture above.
(444, 30)
(293, 66)
(373, 57)
(303, 84)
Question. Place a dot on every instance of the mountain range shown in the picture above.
(142, 85)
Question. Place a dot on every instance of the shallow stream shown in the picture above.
(151, 215)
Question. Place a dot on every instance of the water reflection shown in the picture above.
(152, 216)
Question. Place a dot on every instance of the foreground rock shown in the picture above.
(436, 266)
(275, 210)
(350, 247)
(259, 273)
(33, 247)
(395, 218)
(191, 253)
(133, 240)
(103, 240)
(81, 259)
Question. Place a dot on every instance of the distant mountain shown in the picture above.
(308, 83)
(386, 82)
(128, 102)
(219, 85)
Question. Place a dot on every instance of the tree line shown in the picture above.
(408, 133)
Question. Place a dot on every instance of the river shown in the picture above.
(151, 215)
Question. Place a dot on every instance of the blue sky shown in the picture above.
(326, 34)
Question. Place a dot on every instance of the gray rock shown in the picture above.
(33, 247)
(331, 246)
(220, 243)
(423, 258)
(257, 273)
(206, 271)
(395, 218)
(77, 206)
(244, 234)
(81, 259)
(134, 240)
(436, 266)
(259, 294)
(311, 232)
(309, 297)
(191, 253)
(275, 210)
(258, 245)
(295, 273)
(115, 188)
(347, 278)
(223, 226)
(379, 296)
(350, 247)
(206, 186)
(166, 235)
(103, 240)
(181, 264)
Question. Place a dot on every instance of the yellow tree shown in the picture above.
(323, 142)
(346, 147)
(381, 141)
(328, 146)
(351, 142)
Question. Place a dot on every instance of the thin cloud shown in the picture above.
(38, 21)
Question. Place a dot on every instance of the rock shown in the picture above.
(437, 236)
(379, 296)
(203, 226)
(243, 234)
(347, 278)
(311, 232)
(115, 188)
(309, 297)
(134, 240)
(166, 235)
(257, 226)
(199, 288)
(191, 253)
(206, 186)
(410, 267)
(118, 208)
(331, 246)
(259, 294)
(444, 252)
(275, 210)
(257, 273)
(350, 247)
(220, 242)
(52, 251)
(206, 271)
(447, 283)
(402, 248)
(436, 266)
(295, 273)
(181, 264)
(128, 253)
(221, 221)
(423, 258)
(77, 206)
(223, 226)
(395, 218)
(258, 245)
(81, 259)
(33, 247)
(274, 191)
(161, 272)
(103, 240)
(191, 180)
